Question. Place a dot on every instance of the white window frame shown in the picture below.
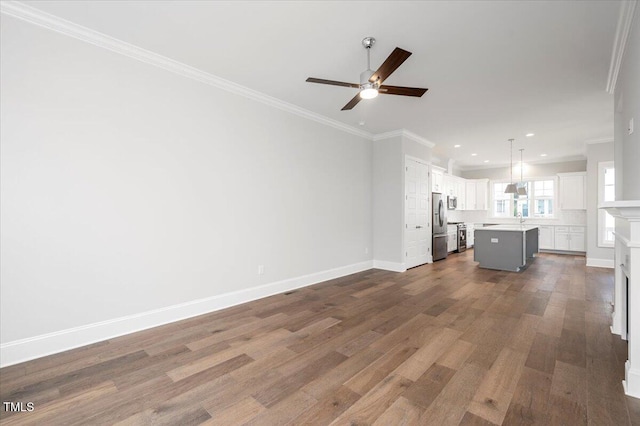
(508, 199)
(530, 196)
(602, 215)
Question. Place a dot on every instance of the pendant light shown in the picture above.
(522, 189)
(511, 188)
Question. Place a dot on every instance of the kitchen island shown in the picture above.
(505, 247)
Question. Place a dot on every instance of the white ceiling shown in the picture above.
(495, 69)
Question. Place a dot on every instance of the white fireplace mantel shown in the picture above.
(626, 315)
(629, 210)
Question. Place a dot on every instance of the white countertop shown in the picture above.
(521, 228)
(528, 222)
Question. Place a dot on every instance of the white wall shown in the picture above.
(388, 205)
(566, 217)
(530, 170)
(596, 153)
(627, 101)
(127, 189)
(388, 197)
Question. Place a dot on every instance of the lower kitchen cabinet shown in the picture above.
(569, 238)
(546, 239)
(470, 234)
(452, 241)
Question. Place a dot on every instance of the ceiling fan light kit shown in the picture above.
(371, 82)
(368, 93)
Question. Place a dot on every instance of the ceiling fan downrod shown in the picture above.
(368, 43)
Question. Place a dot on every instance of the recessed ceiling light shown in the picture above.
(456, 146)
(530, 134)
(474, 154)
(543, 155)
(361, 123)
(486, 161)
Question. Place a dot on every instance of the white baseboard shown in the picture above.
(389, 266)
(631, 381)
(600, 263)
(30, 348)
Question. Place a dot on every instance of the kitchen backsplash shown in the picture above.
(563, 217)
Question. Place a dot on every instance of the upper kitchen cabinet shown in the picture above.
(449, 185)
(482, 191)
(476, 194)
(470, 187)
(461, 192)
(437, 180)
(454, 186)
(573, 191)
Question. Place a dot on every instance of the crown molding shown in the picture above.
(419, 139)
(387, 135)
(597, 141)
(404, 133)
(625, 19)
(567, 159)
(38, 17)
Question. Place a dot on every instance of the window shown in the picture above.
(543, 191)
(606, 192)
(501, 201)
(538, 203)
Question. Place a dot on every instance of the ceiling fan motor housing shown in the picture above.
(364, 78)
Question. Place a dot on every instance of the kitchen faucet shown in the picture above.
(521, 218)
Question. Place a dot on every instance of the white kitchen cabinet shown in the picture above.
(449, 185)
(437, 180)
(476, 194)
(577, 238)
(461, 193)
(470, 234)
(482, 189)
(470, 196)
(452, 238)
(569, 238)
(573, 191)
(546, 239)
(452, 241)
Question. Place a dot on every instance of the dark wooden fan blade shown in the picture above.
(353, 102)
(403, 91)
(397, 57)
(332, 82)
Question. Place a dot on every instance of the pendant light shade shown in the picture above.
(522, 190)
(511, 188)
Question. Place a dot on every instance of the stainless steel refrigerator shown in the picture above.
(439, 226)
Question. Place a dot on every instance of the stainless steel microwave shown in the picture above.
(452, 203)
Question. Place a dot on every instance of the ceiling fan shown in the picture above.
(371, 82)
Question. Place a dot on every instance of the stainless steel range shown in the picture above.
(462, 237)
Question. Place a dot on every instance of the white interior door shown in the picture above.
(417, 210)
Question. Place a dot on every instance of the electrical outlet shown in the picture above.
(260, 269)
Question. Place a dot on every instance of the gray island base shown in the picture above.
(505, 247)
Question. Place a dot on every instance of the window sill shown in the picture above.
(526, 218)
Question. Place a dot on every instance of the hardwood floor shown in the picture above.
(442, 344)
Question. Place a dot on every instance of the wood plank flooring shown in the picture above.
(442, 344)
